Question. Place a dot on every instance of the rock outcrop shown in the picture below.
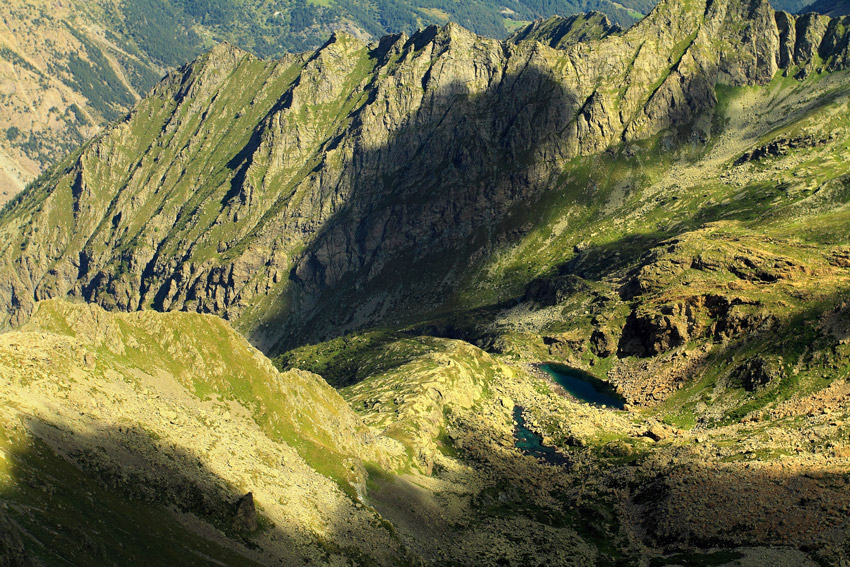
(759, 372)
(245, 517)
(811, 38)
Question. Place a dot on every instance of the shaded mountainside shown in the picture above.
(67, 70)
(145, 437)
(832, 8)
(372, 185)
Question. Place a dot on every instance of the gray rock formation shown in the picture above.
(245, 518)
(759, 372)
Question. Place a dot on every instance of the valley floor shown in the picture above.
(95, 428)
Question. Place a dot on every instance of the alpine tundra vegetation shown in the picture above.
(580, 296)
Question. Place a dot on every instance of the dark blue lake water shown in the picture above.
(583, 386)
(531, 443)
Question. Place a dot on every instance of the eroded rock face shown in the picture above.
(649, 334)
(602, 342)
(275, 194)
(778, 148)
(657, 329)
(759, 372)
(803, 37)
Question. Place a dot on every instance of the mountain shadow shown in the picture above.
(86, 507)
(444, 193)
(118, 495)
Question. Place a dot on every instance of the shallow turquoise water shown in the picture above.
(531, 443)
(583, 386)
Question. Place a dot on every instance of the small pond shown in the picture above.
(531, 443)
(583, 386)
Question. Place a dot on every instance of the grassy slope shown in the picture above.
(233, 371)
(180, 414)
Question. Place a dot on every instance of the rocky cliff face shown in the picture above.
(275, 193)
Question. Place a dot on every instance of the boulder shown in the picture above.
(759, 372)
(602, 342)
(245, 518)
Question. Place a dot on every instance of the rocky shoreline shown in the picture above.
(534, 368)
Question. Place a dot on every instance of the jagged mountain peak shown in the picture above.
(559, 32)
(225, 49)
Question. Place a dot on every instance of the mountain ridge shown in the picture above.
(82, 65)
(684, 91)
(422, 183)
